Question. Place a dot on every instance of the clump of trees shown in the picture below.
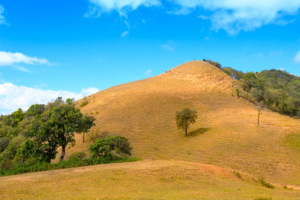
(184, 118)
(276, 89)
(34, 136)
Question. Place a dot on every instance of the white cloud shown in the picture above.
(13, 97)
(297, 58)
(236, 15)
(125, 33)
(148, 72)
(8, 58)
(119, 5)
(2, 19)
(166, 47)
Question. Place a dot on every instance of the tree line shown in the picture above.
(276, 89)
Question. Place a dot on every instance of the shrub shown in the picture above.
(97, 112)
(77, 156)
(105, 147)
(84, 103)
(266, 184)
(237, 174)
(287, 188)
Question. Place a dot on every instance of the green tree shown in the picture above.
(35, 109)
(184, 118)
(17, 117)
(69, 101)
(56, 127)
(104, 147)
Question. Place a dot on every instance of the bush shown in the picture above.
(77, 156)
(237, 174)
(105, 147)
(84, 103)
(266, 184)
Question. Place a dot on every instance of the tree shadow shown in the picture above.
(198, 131)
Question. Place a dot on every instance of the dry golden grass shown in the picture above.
(225, 134)
(139, 180)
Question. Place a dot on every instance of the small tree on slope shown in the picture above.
(184, 118)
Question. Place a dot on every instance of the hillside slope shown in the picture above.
(225, 134)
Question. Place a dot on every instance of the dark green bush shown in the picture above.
(109, 145)
(77, 156)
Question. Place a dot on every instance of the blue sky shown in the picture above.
(76, 48)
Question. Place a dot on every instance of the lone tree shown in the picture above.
(184, 118)
(259, 108)
(56, 127)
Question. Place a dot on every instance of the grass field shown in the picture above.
(225, 136)
(139, 180)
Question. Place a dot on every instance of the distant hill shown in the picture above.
(225, 134)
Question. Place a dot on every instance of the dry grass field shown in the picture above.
(139, 180)
(225, 136)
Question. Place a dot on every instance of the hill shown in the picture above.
(225, 134)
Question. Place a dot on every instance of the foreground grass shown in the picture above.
(25, 168)
(139, 180)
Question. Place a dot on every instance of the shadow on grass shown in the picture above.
(198, 132)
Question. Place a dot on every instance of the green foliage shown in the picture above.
(184, 118)
(69, 101)
(44, 166)
(105, 147)
(17, 117)
(266, 184)
(233, 73)
(54, 128)
(84, 103)
(237, 174)
(77, 156)
(35, 109)
(3, 144)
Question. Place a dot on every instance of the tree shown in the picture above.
(104, 147)
(259, 108)
(184, 118)
(56, 127)
(69, 101)
(35, 109)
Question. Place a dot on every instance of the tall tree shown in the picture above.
(56, 127)
(184, 118)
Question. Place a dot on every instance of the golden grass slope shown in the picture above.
(157, 179)
(225, 134)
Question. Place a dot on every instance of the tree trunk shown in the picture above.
(83, 138)
(63, 151)
(258, 119)
(185, 132)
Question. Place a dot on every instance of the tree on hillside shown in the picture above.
(55, 127)
(184, 118)
(259, 108)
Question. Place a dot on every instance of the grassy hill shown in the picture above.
(225, 138)
(225, 134)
